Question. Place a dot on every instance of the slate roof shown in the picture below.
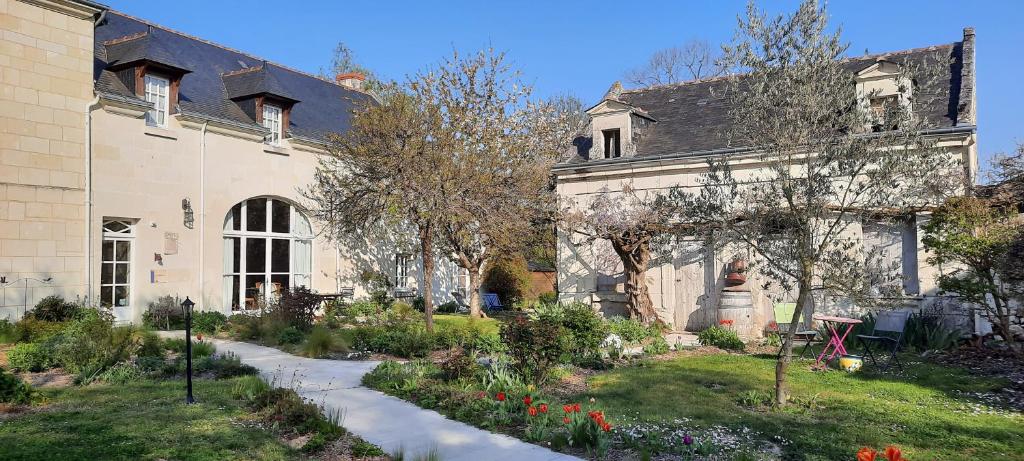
(324, 107)
(692, 117)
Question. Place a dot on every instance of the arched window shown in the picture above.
(267, 249)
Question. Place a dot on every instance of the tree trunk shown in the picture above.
(474, 293)
(636, 256)
(803, 294)
(427, 250)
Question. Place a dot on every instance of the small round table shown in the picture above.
(835, 342)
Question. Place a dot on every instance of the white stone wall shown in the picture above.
(45, 85)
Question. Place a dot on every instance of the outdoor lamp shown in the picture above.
(186, 311)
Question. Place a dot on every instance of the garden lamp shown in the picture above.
(186, 311)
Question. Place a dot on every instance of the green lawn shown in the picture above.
(145, 420)
(922, 411)
(488, 325)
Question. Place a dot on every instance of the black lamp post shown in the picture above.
(186, 310)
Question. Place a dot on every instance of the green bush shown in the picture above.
(249, 388)
(297, 306)
(585, 330)
(14, 390)
(401, 339)
(208, 322)
(243, 326)
(122, 373)
(548, 297)
(199, 348)
(31, 329)
(509, 278)
(290, 335)
(319, 343)
(630, 330)
(30, 357)
(722, 338)
(7, 333)
(92, 344)
(658, 346)
(364, 308)
(150, 345)
(54, 309)
(534, 346)
(221, 366)
(449, 307)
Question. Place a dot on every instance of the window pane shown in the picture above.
(120, 273)
(106, 296)
(279, 255)
(108, 250)
(120, 296)
(279, 284)
(123, 250)
(280, 217)
(107, 273)
(302, 228)
(234, 219)
(301, 257)
(253, 290)
(301, 280)
(231, 291)
(232, 255)
(256, 215)
(255, 255)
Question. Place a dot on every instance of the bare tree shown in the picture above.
(504, 147)
(344, 61)
(632, 221)
(392, 165)
(827, 163)
(694, 60)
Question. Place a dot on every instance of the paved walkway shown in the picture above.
(383, 420)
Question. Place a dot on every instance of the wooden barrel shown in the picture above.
(738, 306)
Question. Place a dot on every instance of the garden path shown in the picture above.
(385, 421)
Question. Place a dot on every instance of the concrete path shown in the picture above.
(383, 420)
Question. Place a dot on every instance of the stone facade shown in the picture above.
(45, 85)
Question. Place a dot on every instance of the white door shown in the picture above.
(694, 273)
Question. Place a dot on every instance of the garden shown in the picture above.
(73, 385)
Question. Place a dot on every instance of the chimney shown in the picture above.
(353, 80)
(965, 113)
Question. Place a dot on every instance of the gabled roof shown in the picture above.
(325, 107)
(150, 46)
(693, 117)
(254, 81)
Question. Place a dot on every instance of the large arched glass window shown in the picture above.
(267, 249)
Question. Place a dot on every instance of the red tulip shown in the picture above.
(500, 396)
(893, 453)
(567, 408)
(532, 411)
(565, 420)
(543, 408)
(866, 454)
(606, 427)
(576, 408)
(527, 400)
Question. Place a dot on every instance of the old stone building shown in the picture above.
(139, 162)
(658, 138)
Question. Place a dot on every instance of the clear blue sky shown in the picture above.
(581, 47)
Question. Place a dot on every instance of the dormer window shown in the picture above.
(272, 121)
(157, 91)
(612, 143)
(882, 108)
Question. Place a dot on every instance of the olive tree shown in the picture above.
(824, 162)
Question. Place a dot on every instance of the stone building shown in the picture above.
(139, 162)
(659, 138)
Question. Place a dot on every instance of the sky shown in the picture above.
(581, 47)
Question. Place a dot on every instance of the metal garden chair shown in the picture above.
(492, 303)
(887, 334)
(783, 316)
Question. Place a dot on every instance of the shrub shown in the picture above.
(379, 285)
(30, 357)
(401, 312)
(401, 339)
(150, 345)
(630, 330)
(534, 346)
(509, 278)
(208, 322)
(658, 346)
(31, 329)
(722, 338)
(199, 348)
(548, 297)
(457, 365)
(297, 307)
(449, 307)
(244, 326)
(7, 334)
(364, 308)
(221, 366)
(92, 344)
(54, 309)
(164, 314)
(585, 330)
(319, 343)
(415, 341)
(14, 390)
(289, 335)
(249, 388)
(121, 373)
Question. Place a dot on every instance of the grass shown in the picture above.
(144, 420)
(488, 325)
(922, 411)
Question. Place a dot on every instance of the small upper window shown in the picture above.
(272, 121)
(883, 112)
(157, 90)
(612, 144)
(401, 270)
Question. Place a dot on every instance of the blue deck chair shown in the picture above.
(492, 303)
(888, 333)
